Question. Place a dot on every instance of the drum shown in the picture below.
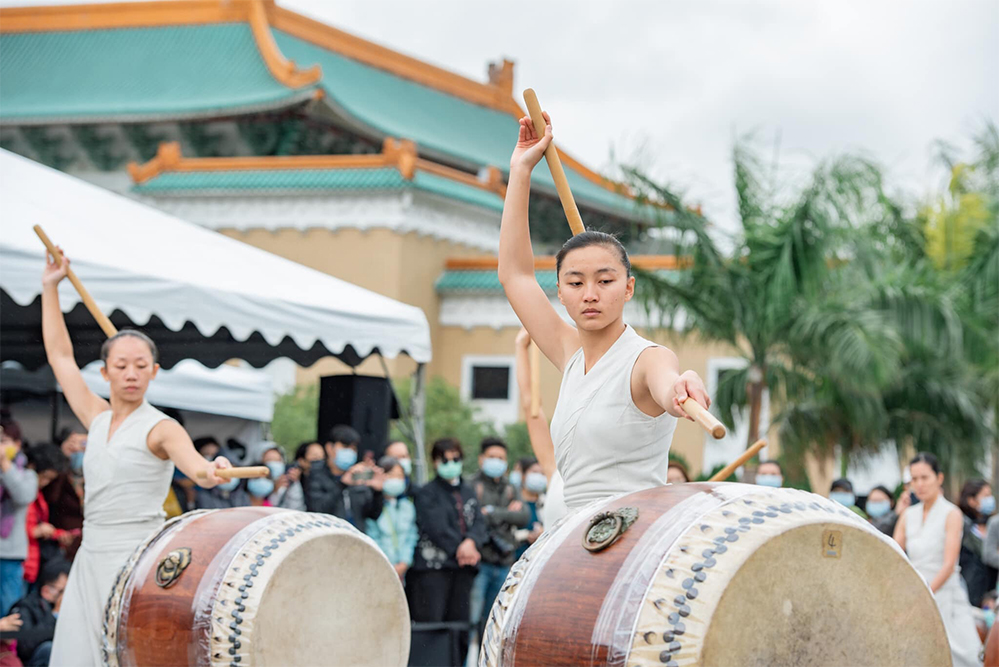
(257, 586)
(714, 574)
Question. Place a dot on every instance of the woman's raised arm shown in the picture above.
(59, 348)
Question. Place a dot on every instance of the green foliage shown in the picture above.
(445, 416)
(295, 417)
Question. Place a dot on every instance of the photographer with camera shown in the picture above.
(504, 513)
(341, 486)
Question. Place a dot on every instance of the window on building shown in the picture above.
(490, 382)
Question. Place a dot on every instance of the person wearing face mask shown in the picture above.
(535, 485)
(842, 491)
(879, 507)
(259, 489)
(399, 451)
(341, 486)
(227, 494)
(18, 489)
(395, 531)
(769, 473)
(977, 504)
(289, 490)
(504, 512)
(64, 494)
(930, 532)
(452, 531)
(38, 611)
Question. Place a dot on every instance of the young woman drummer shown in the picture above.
(620, 393)
(131, 451)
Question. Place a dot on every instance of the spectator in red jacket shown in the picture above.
(47, 461)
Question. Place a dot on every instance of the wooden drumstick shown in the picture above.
(536, 396)
(744, 457)
(705, 419)
(88, 301)
(246, 472)
(555, 165)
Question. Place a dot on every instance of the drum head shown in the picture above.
(299, 622)
(794, 602)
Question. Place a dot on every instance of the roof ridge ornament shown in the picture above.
(285, 71)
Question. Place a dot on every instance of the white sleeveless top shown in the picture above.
(604, 444)
(125, 482)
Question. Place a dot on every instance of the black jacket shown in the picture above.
(439, 527)
(498, 494)
(326, 493)
(38, 624)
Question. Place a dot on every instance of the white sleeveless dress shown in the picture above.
(604, 444)
(925, 548)
(125, 486)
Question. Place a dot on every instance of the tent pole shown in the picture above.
(417, 404)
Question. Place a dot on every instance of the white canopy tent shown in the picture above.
(199, 294)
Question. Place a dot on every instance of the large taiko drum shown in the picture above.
(715, 574)
(257, 586)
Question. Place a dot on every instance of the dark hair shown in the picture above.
(444, 445)
(12, 429)
(772, 462)
(387, 463)
(52, 571)
(64, 433)
(969, 491)
(929, 459)
(174, 414)
(843, 483)
(204, 441)
(45, 456)
(887, 492)
(491, 441)
(345, 435)
(590, 238)
(134, 333)
(527, 462)
(300, 451)
(680, 466)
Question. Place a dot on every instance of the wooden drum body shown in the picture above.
(717, 574)
(261, 586)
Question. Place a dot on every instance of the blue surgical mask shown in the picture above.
(845, 498)
(515, 479)
(877, 508)
(449, 469)
(277, 468)
(345, 458)
(259, 487)
(76, 462)
(988, 506)
(990, 616)
(494, 468)
(394, 487)
(535, 482)
(773, 481)
(229, 485)
(407, 466)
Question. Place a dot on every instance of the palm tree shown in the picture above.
(771, 298)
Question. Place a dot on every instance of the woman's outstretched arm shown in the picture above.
(59, 348)
(657, 375)
(516, 266)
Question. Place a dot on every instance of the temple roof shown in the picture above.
(149, 61)
(397, 168)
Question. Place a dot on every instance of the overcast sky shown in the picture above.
(673, 82)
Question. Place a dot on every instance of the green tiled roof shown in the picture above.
(176, 72)
(437, 121)
(485, 281)
(385, 178)
(135, 74)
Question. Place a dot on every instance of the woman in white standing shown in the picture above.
(930, 533)
(620, 393)
(131, 451)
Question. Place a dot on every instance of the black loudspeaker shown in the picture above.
(363, 402)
